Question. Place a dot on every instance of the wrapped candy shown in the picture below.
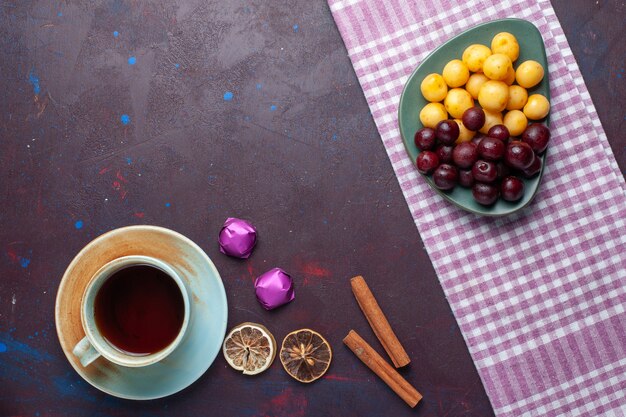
(237, 238)
(274, 288)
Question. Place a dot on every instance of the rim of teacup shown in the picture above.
(108, 350)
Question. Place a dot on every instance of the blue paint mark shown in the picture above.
(273, 107)
(228, 96)
(79, 224)
(258, 86)
(167, 204)
(246, 118)
(62, 386)
(125, 119)
(325, 221)
(132, 60)
(71, 385)
(334, 137)
(21, 365)
(295, 28)
(116, 33)
(177, 65)
(129, 160)
(34, 80)
(60, 14)
(619, 75)
(33, 354)
(24, 262)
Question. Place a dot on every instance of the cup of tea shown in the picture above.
(135, 312)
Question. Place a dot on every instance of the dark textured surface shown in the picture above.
(311, 173)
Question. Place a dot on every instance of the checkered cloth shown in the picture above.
(540, 296)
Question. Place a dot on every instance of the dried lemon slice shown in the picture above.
(305, 355)
(249, 347)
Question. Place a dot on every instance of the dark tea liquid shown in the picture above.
(139, 310)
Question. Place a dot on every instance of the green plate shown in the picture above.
(412, 101)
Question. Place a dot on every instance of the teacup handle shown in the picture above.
(85, 352)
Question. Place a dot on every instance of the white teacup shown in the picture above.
(94, 344)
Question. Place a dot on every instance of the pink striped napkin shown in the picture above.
(540, 296)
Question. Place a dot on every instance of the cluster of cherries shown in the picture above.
(490, 165)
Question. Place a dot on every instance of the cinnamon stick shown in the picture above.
(379, 323)
(376, 363)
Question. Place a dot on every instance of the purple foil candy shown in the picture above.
(274, 288)
(237, 238)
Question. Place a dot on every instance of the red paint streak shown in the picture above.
(340, 378)
(313, 269)
(121, 177)
(119, 187)
(118, 184)
(287, 403)
(14, 257)
(140, 214)
(104, 170)
(251, 272)
(282, 400)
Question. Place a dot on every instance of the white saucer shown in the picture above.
(208, 315)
